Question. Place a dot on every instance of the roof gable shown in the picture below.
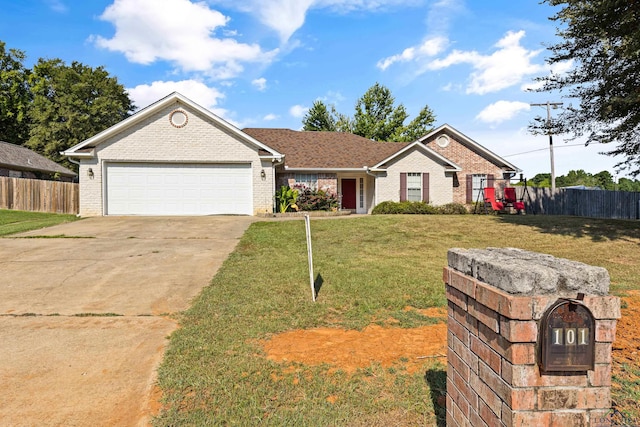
(418, 145)
(85, 148)
(470, 143)
(21, 158)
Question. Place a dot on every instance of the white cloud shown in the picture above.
(449, 87)
(270, 117)
(286, 17)
(501, 111)
(430, 47)
(438, 21)
(198, 92)
(506, 67)
(298, 110)
(57, 6)
(332, 98)
(531, 86)
(441, 13)
(560, 69)
(177, 31)
(260, 84)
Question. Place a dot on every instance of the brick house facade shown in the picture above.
(473, 159)
(444, 166)
(200, 166)
(175, 157)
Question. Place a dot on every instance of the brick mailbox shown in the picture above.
(567, 338)
(529, 340)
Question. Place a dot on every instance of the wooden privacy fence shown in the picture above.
(586, 203)
(38, 195)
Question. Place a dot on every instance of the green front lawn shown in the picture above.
(12, 222)
(215, 371)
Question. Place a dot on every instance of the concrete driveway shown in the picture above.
(85, 313)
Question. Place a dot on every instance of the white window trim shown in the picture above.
(414, 186)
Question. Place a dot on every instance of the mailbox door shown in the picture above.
(567, 338)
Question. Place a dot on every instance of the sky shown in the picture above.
(262, 63)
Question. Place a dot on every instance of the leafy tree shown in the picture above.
(626, 184)
(376, 117)
(602, 38)
(604, 180)
(541, 180)
(344, 123)
(418, 127)
(319, 118)
(576, 177)
(71, 104)
(15, 97)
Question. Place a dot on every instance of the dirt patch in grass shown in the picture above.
(350, 350)
(626, 366)
(627, 344)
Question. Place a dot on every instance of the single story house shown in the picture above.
(442, 167)
(17, 161)
(177, 158)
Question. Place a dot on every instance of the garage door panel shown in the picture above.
(178, 189)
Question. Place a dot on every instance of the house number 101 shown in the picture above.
(570, 336)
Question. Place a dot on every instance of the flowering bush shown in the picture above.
(310, 199)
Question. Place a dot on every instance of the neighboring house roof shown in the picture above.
(85, 148)
(580, 187)
(325, 150)
(17, 157)
(473, 145)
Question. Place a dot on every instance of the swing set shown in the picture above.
(507, 204)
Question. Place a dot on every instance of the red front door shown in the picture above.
(349, 194)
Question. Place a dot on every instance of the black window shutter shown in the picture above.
(469, 188)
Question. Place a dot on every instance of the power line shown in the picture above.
(545, 149)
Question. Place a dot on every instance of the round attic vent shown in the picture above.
(178, 118)
(442, 141)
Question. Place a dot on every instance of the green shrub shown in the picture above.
(453, 209)
(417, 208)
(386, 208)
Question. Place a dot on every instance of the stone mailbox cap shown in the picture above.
(521, 272)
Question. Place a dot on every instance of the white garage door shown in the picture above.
(178, 189)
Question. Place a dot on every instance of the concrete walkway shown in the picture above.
(85, 316)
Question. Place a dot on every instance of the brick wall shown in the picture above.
(469, 160)
(326, 181)
(493, 377)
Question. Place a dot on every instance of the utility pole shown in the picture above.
(549, 105)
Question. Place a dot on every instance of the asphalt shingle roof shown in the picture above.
(325, 150)
(21, 158)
